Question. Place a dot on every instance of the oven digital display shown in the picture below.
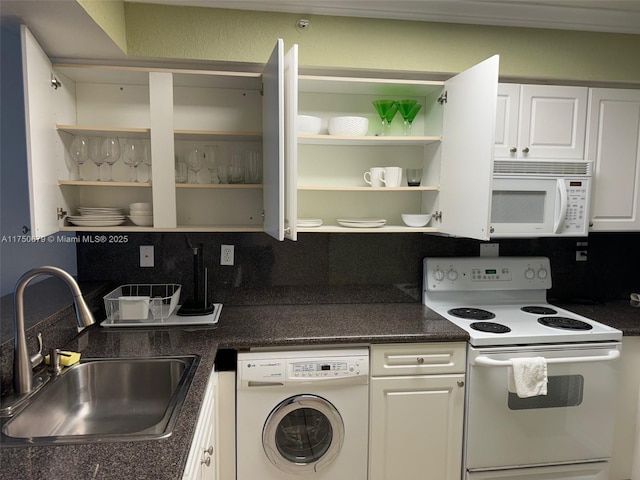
(490, 271)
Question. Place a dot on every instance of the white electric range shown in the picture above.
(501, 302)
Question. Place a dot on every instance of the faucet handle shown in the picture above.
(37, 358)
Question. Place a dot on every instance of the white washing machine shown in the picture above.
(303, 415)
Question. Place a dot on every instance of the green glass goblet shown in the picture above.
(386, 110)
(405, 107)
(410, 118)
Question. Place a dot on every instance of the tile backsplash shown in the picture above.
(355, 260)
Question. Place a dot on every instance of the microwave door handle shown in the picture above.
(491, 362)
(564, 203)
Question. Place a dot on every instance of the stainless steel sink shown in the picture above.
(105, 400)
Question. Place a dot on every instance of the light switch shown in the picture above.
(146, 255)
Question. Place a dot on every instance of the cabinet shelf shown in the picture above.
(331, 188)
(94, 183)
(221, 186)
(366, 140)
(383, 229)
(105, 131)
(222, 136)
(179, 228)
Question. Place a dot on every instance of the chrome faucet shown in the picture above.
(22, 362)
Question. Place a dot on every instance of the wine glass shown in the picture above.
(79, 151)
(95, 154)
(132, 156)
(194, 164)
(110, 149)
(211, 154)
(387, 110)
(146, 158)
(405, 107)
(412, 116)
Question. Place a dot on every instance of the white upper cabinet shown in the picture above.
(169, 113)
(614, 147)
(540, 122)
(451, 141)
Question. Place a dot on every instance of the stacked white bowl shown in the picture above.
(141, 214)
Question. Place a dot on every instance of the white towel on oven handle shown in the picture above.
(528, 376)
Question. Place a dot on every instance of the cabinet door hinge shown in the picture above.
(262, 89)
(442, 98)
(55, 83)
(437, 216)
(61, 213)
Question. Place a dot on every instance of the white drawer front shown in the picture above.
(417, 359)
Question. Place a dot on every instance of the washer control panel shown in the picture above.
(325, 369)
(280, 368)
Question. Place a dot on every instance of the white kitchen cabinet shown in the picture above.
(540, 122)
(613, 145)
(202, 459)
(452, 141)
(171, 110)
(416, 411)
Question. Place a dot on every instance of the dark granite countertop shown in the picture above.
(239, 327)
(620, 314)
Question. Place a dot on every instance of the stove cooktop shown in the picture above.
(502, 301)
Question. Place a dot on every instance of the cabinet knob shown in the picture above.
(420, 360)
(513, 150)
(525, 150)
(209, 451)
(460, 383)
(207, 461)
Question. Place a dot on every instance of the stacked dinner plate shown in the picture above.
(362, 222)
(97, 217)
(309, 222)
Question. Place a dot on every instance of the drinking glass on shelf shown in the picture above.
(253, 167)
(132, 156)
(181, 171)
(236, 168)
(194, 164)
(406, 107)
(223, 170)
(146, 157)
(386, 110)
(79, 151)
(95, 154)
(211, 156)
(110, 149)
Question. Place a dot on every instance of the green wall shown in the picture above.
(203, 34)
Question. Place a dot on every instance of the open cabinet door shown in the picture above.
(44, 195)
(468, 131)
(273, 142)
(291, 142)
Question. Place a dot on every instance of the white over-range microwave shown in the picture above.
(540, 199)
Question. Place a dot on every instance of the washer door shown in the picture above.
(303, 433)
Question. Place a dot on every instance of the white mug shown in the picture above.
(375, 177)
(392, 176)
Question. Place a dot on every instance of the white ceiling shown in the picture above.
(619, 16)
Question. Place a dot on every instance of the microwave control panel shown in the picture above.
(577, 198)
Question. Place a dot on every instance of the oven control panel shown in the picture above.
(487, 273)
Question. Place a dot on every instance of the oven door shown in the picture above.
(573, 423)
(583, 471)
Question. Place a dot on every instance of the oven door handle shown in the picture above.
(490, 362)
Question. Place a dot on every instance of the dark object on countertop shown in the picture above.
(196, 306)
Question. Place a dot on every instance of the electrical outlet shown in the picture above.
(146, 255)
(581, 251)
(489, 249)
(226, 255)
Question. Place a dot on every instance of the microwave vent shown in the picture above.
(556, 168)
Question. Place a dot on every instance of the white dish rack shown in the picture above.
(142, 302)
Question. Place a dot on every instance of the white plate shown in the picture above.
(362, 222)
(100, 210)
(96, 217)
(309, 222)
(96, 223)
